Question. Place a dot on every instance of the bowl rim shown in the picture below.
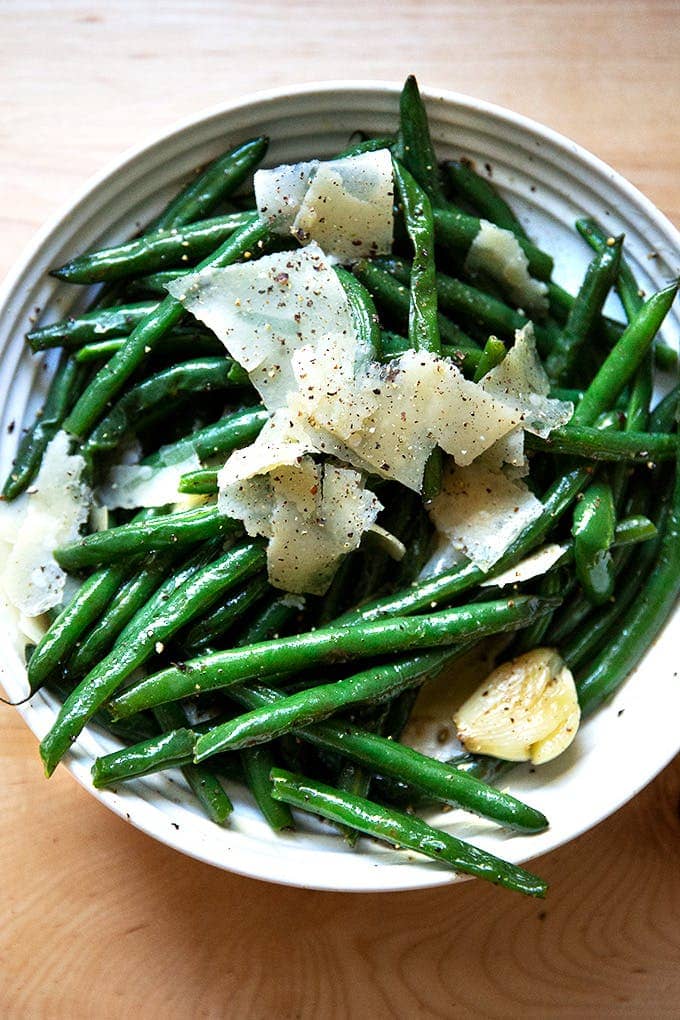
(120, 804)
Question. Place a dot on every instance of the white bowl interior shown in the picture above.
(550, 182)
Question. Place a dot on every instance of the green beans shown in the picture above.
(414, 146)
(595, 444)
(64, 389)
(437, 780)
(176, 603)
(202, 482)
(126, 601)
(474, 305)
(166, 751)
(217, 181)
(158, 395)
(394, 297)
(635, 631)
(366, 145)
(365, 318)
(334, 643)
(585, 312)
(626, 357)
(212, 626)
(492, 355)
(136, 539)
(456, 230)
(202, 781)
(593, 531)
(258, 763)
(629, 292)
(81, 612)
(229, 433)
(482, 195)
(141, 342)
(423, 324)
(174, 247)
(401, 830)
(100, 324)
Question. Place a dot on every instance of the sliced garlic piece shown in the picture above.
(526, 710)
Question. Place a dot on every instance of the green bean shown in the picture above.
(593, 532)
(585, 312)
(86, 606)
(394, 297)
(595, 444)
(158, 395)
(64, 389)
(83, 610)
(492, 355)
(180, 343)
(141, 342)
(176, 603)
(166, 751)
(239, 428)
(334, 643)
(624, 360)
(423, 331)
(414, 145)
(423, 328)
(456, 230)
(100, 324)
(386, 756)
(202, 781)
(393, 345)
(635, 630)
(217, 181)
(365, 318)
(482, 195)
(257, 764)
(127, 600)
(155, 284)
(272, 621)
(136, 539)
(366, 145)
(173, 247)
(202, 482)
(402, 830)
(628, 290)
(474, 305)
(222, 618)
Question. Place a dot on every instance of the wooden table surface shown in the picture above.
(97, 920)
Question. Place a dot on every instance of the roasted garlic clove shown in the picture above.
(526, 710)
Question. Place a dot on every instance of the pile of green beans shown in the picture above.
(176, 641)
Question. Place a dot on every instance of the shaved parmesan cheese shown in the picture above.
(345, 205)
(535, 565)
(56, 506)
(520, 380)
(498, 253)
(264, 311)
(309, 538)
(482, 512)
(279, 193)
(389, 420)
(136, 485)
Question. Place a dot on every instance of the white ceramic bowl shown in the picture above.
(550, 181)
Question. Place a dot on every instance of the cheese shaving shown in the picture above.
(56, 505)
(143, 485)
(345, 205)
(497, 252)
(389, 420)
(266, 310)
(481, 512)
(521, 381)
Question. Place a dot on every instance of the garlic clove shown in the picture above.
(526, 709)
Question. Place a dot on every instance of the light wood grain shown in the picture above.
(96, 920)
